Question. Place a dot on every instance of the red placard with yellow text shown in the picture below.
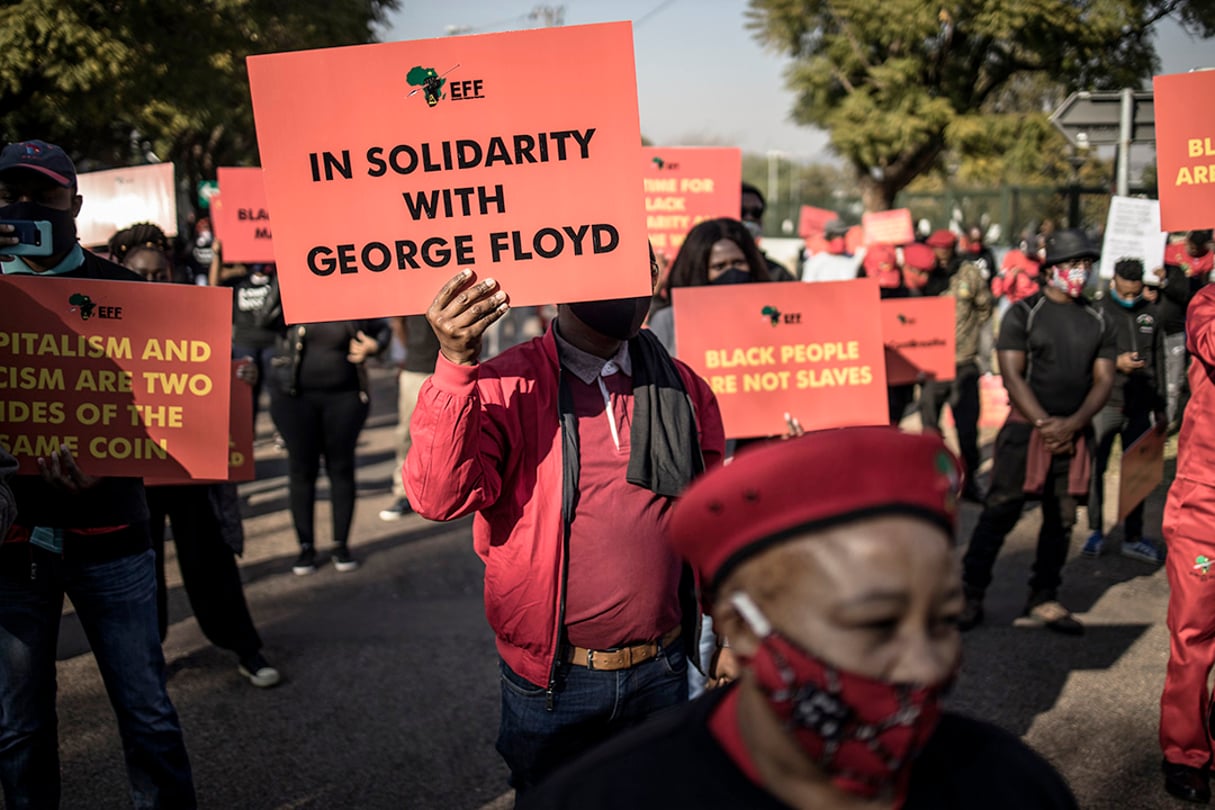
(888, 227)
(402, 163)
(813, 351)
(685, 185)
(131, 377)
(1185, 149)
(240, 433)
(241, 215)
(921, 339)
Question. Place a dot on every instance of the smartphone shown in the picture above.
(35, 236)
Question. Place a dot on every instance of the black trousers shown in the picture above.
(312, 424)
(962, 396)
(208, 568)
(1107, 424)
(1002, 510)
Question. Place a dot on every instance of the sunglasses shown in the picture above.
(752, 211)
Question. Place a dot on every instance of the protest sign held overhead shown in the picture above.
(920, 339)
(888, 227)
(241, 216)
(119, 198)
(131, 378)
(1185, 149)
(1132, 231)
(518, 154)
(813, 221)
(685, 185)
(813, 351)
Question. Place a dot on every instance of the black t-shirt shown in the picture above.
(421, 345)
(250, 294)
(323, 363)
(112, 501)
(1061, 341)
(673, 760)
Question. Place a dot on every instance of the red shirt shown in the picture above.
(623, 584)
(1178, 253)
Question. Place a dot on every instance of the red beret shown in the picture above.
(919, 256)
(876, 256)
(777, 491)
(942, 239)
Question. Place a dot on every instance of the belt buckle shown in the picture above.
(590, 659)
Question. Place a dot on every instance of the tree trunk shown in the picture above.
(875, 194)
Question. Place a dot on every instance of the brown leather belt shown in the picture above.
(621, 658)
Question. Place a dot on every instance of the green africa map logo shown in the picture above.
(429, 81)
(78, 302)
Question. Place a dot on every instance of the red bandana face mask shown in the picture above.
(862, 732)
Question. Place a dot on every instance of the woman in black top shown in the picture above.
(319, 401)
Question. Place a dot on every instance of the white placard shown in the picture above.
(1133, 232)
(119, 198)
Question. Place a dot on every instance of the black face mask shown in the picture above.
(733, 276)
(63, 223)
(618, 318)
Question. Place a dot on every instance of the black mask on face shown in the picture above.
(63, 223)
(618, 318)
(732, 276)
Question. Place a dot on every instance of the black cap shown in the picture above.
(42, 157)
(1069, 245)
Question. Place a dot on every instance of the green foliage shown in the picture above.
(901, 84)
(109, 80)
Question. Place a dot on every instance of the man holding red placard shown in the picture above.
(570, 450)
(82, 536)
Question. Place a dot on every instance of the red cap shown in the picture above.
(878, 258)
(942, 239)
(919, 257)
(781, 490)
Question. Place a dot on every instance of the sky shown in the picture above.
(701, 76)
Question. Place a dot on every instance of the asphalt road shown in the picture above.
(390, 697)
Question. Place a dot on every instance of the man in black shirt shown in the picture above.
(837, 589)
(1056, 354)
(84, 537)
(1135, 404)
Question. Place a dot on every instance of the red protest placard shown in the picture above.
(888, 227)
(813, 221)
(241, 216)
(240, 434)
(131, 377)
(518, 154)
(920, 339)
(813, 351)
(119, 198)
(685, 185)
(1185, 149)
(1142, 471)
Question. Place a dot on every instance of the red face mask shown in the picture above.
(862, 732)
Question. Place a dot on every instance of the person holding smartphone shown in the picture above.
(1136, 403)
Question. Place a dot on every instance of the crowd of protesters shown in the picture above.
(630, 552)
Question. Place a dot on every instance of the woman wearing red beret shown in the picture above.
(838, 590)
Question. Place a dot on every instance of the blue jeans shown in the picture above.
(116, 603)
(590, 706)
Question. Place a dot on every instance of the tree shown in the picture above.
(897, 85)
(114, 81)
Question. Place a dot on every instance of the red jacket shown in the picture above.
(487, 440)
(1196, 445)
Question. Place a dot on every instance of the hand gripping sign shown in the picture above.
(515, 154)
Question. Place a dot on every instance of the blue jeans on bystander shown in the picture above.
(115, 601)
(590, 706)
